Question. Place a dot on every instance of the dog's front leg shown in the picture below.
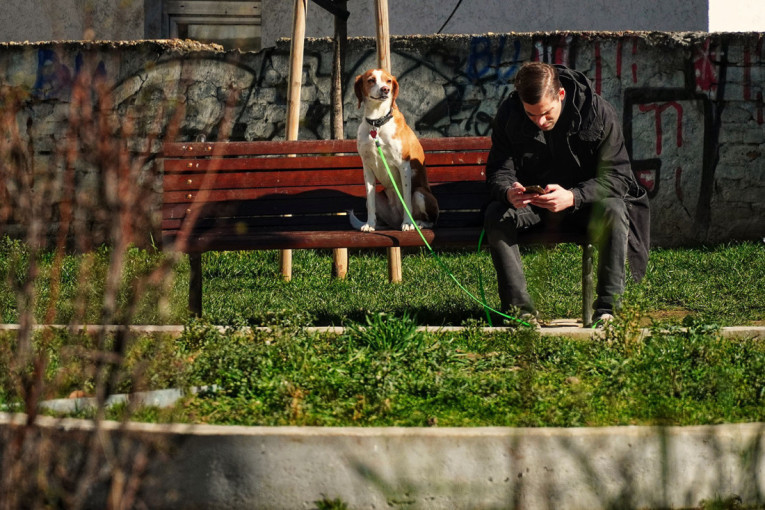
(406, 192)
(370, 185)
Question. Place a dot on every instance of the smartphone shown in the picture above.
(535, 189)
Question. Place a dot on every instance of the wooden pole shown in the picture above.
(296, 69)
(383, 35)
(338, 64)
(339, 255)
(383, 62)
(293, 101)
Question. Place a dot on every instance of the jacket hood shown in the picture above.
(579, 91)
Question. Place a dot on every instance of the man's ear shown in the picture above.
(562, 94)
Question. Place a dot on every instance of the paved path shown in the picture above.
(570, 328)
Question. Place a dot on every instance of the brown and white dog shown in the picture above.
(377, 91)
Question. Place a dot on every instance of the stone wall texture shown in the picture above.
(691, 104)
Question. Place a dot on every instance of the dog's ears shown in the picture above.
(395, 91)
(358, 87)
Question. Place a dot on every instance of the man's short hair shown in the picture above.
(536, 80)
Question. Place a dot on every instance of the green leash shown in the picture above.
(482, 302)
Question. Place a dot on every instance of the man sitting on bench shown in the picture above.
(558, 162)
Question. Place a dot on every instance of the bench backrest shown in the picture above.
(304, 185)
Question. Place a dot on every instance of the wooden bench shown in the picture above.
(286, 195)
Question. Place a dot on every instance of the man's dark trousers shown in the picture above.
(606, 223)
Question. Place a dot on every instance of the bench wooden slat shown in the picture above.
(225, 239)
(252, 208)
(313, 163)
(236, 180)
(203, 165)
(456, 144)
(270, 201)
(312, 224)
(273, 193)
(279, 147)
(299, 179)
(304, 220)
(190, 149)
(452, 174)
(173, 220)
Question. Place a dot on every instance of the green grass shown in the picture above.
(724, 285)
(382, 370)
(388, 373)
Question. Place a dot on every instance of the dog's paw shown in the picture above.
(406, 226)
(366, 227)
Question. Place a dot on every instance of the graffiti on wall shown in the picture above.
(54, 78)
(673, 103)
(672, 114)
(684, 109)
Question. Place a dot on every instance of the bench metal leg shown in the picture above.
(587, 284)
(394, 265)
(285, 264)
(195, 284)
(340, 263)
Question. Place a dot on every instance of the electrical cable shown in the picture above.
(459, 2)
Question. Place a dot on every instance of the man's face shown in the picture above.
(546, 112)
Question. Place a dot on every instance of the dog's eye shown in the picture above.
(371, 81)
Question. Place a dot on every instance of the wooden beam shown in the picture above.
(296, 69)
(383, 62)
(293, 100)
(383, 35)
(339, 255)
(394, 265)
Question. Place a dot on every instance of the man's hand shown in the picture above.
(518, 196)
(555, 199)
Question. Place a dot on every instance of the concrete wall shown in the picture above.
(218, 467)
(692, 104)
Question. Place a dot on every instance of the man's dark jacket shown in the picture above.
(593, 163)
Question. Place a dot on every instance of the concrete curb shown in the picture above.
(154, 398)
(295, 467)
(562, 327)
